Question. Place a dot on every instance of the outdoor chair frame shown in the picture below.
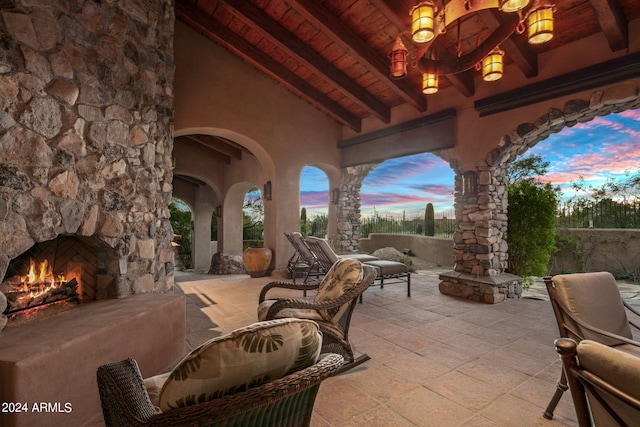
(287, 401)
(572, 325)
(597, 399)
(303, 258)
(332, 342)
(391, 271)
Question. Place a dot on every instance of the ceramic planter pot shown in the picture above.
(256, 261)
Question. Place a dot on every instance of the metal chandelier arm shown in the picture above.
(468, 61)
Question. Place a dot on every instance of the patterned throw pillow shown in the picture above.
(343, 276)
(245, 358)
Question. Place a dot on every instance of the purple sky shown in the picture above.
(606, 147)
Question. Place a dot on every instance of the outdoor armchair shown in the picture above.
(603, 382)
(589, 306)
(265, 374)
(332, 306)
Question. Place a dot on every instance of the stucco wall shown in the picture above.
(435, 250)
(582, 250)
(217, 93)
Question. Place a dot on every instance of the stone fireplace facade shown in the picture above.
(86, 113)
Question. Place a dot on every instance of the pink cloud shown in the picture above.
(612, 159)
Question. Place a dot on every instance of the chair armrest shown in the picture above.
(282, 303)
(286, 285)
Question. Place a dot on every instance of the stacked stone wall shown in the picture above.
(86, 113)
(480, 239)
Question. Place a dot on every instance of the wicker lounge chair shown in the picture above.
(217, 384)
(589, 306)
(603, 383)
(332, 307)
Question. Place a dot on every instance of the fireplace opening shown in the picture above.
(55, 276)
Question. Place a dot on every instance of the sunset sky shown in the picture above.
(605, 147)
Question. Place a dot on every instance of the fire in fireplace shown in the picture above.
(38, 288)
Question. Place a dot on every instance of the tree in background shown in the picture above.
(305, 228)
(181, 222)
(253, 217)
(531, 210)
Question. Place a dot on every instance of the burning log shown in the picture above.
(37, 294)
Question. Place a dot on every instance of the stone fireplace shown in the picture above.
(86, 113)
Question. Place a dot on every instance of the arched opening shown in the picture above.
(395, 195)
(253, 218)
(481, 250)
(314, 201)
(182, 223)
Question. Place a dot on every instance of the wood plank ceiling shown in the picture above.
(334, 53)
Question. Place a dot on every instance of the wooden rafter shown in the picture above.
(613, 23)
(212, 28)
(217, 144)
(196, 145)
(287, 41)
(344, 36)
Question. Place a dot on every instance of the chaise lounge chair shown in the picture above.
(386, 271)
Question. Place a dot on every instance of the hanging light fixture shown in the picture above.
(398, 59)
(513, 5)
(540, 25)
(432, 18)
(429, 83)
(422, 28)
(492, 66)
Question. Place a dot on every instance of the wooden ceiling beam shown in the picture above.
(195, 144)
(216, 31)
(217, 145)
(287, 41)
(342, 35)
(613, 23)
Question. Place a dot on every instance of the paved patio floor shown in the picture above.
(435, 360)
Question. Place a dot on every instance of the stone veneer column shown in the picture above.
(480, 247)
(348, 210)
(86, 113)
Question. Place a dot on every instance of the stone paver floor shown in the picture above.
(435, 360)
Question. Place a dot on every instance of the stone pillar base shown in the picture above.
(487, 289)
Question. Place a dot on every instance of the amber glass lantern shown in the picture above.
(429, 83)
(540, 25)
(513, 5)
(398, 59)
(492, 66)
(422, 22)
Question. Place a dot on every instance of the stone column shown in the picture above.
(480, 246)
(348, 210)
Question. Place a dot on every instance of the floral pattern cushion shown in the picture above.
(245, 358)
(343, 276)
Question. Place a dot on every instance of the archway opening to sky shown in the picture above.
(314, 191)
(605, 148)
(405, 185)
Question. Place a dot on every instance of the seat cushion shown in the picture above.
(620, 369)
(344, 275)
(595, 299)
(245, 358)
